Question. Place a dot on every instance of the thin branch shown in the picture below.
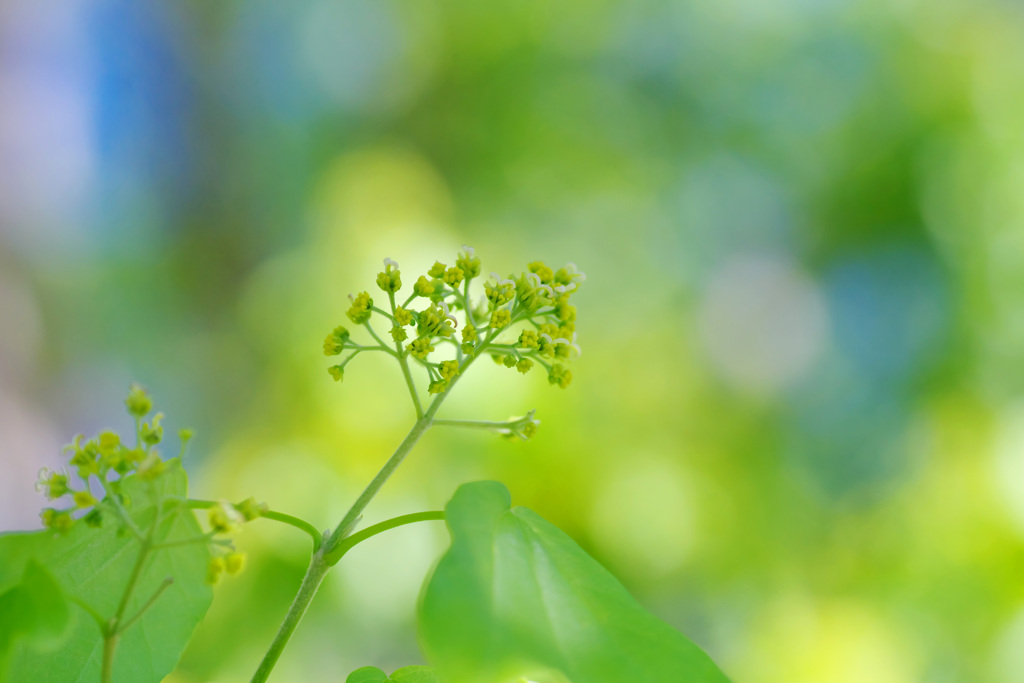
(272, 515)
(355, 539)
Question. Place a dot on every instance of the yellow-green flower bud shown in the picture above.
(423, 287)
(468, 262)
(84, 499)
(435, 321)
(449, 369)
(469, 333)
(360, 311)
(224, 518)
(153, 433)
(250, 509)
(335, 341)
(337, 372)
(501, 292)
(532, 293)
(500, 318)
(453, 277)
(58, 521)
(569, 275)
(437, 270)
(420, 348)
(529, 430)
(52, 484)
(399, 334)
(468, 348)
(234, 563)
(559, 375)
(214, 569)
(545, 274)
(529, 339)
(108, 442)
(403, 317)
(509, 361)
(438, 386)
(138, 402)
(524, 366)
(565, 312)
(545, 347)
(85, 459)
(152, 467)
(390, 280)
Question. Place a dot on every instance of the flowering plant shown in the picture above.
(512, 599)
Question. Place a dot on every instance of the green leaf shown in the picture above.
(515, 597)
(367, 674)
(407, 674)
(94, 565)
(414, 674)
(34, 611)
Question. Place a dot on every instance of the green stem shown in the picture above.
(290, 520)
(111, 634)
(318, 566)
(418, 429)
(119, 509)
(403, 361)
(206, 539)
(383, 346)
(113, 630)
(478, 424)
(310, 583)
(109, 648)
(355, 539)
(315, 534)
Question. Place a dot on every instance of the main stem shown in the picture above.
(109, 648)
(318, 565)
(310, 583)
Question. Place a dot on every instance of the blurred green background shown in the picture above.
(796, 430)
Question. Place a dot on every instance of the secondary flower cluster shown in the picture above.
(520, 321)
(101, 458)
(105, 460)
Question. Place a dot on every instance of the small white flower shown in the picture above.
(44, 475)
(574, 272)
(573, 344)
(502, 283)
(447, 314)
(389, 263)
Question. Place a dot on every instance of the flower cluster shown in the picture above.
(521, 321)
(227, 518)
(98, 461)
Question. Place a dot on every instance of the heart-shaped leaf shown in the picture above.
(515, 597)
(94, 565)
(414, 674)
(367, 674)
(407, 674)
